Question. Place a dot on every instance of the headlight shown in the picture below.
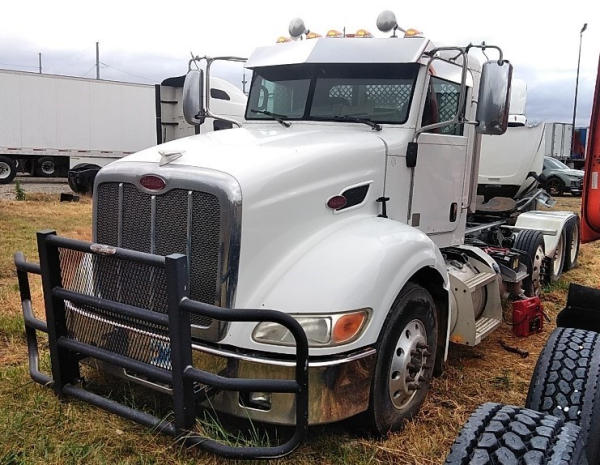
(321, 330)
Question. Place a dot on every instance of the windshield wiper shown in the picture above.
(276, 116)
(356, 119)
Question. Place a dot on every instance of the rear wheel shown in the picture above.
(8, 170)
(558, 261)
(572, 243)
(565, 383)
(45, 167)
(532, 243)
(405, 363)
(506, 435)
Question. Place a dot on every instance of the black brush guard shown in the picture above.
(66, 352)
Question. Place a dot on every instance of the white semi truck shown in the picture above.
(325, 253)
(52, 124)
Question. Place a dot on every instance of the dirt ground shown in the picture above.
(38, 428)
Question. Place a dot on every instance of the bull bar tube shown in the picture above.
(66, 352)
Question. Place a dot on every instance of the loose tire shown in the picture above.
(572, 243)
(555, 186)
(45, 167)
(532, 243)
(565, 383)
(8, 170)
(507, 435)
(404, 368)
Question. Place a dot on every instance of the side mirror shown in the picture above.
(193, 97)
(494, 97)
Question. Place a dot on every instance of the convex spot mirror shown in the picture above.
(193, 97)
(494, 97)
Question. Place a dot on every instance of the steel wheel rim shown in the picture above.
(47, 167)
(574, 243)
(4, 170)
(558, 257)
(536, 272)
(410, 356)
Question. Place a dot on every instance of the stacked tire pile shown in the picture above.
(560, 423)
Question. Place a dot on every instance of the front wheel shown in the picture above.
(405, 362)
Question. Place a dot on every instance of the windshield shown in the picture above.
(380, 93)
(552, 163)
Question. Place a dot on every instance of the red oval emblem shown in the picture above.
(152, 182)
(336, 202)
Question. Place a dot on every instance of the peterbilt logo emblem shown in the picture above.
(167, 156)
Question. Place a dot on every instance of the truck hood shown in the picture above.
(286, 176)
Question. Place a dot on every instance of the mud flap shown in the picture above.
(582, 310)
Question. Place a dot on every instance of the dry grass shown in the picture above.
(38, 428)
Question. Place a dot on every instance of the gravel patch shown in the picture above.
(35, 185)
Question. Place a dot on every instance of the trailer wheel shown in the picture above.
(532, 243)
(572, 242)
(406, 357)
(45, 167)
(507, 435)
(8, 170)
(565, 383)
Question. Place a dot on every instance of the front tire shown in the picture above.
(406, 357)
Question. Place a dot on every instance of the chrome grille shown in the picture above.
(178, 221)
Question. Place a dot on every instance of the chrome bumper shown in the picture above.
(338, 388)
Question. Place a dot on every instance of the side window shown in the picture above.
(441, 105)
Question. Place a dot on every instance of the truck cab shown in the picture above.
(343, 200)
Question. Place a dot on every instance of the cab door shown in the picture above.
(590, 204)
(440, 170)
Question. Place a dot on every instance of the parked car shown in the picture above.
(559, 178)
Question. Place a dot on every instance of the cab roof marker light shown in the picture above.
(312, 35)
(412, 33)
(283, 40)
(333, 33)
(363, 34)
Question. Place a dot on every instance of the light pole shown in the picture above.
(576, 89)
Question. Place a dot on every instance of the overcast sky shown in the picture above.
(149, 41)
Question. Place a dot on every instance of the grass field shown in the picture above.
(35, 427)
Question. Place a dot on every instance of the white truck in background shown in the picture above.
(52, 124)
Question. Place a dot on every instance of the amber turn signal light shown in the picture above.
(348, 326)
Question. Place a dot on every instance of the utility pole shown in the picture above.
(97, 60)
(244, 82)
(40, 62)
(576, 89)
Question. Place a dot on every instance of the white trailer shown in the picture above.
(49, 121)
(52, 124)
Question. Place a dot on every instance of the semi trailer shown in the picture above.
(52, 124)
(325, 251)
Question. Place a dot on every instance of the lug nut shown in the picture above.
(422, 346)
(412, 386)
